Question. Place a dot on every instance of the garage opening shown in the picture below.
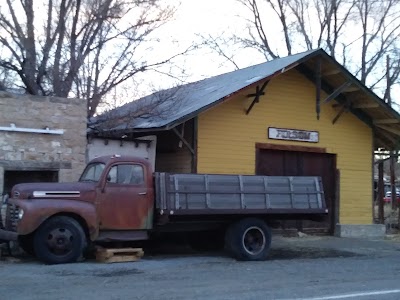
(297, 163)
(12, 178)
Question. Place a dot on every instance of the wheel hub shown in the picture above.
(59, 241)
(254, 240)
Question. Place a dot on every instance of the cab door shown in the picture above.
(125, 199)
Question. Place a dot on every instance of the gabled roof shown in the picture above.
(166, 109)
(194, 97)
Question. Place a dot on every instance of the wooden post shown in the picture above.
(381, 188)
(336, 206)
(392, 153)
(388, 84)
(194, 144)
(318, 86)
(393, 180)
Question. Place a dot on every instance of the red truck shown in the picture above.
(119, 198)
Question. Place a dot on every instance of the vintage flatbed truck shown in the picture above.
(119, 198)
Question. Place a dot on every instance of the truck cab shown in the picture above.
(113, 200)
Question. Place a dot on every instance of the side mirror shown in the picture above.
(5, 199)
(108, 178)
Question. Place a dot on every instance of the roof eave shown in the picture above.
(360, 85)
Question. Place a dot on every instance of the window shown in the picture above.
(126, 174)
(92, 172)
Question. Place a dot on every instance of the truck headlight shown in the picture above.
(20, 213)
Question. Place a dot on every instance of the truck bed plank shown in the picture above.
(220, 194)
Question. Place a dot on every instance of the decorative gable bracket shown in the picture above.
(259, 92)
(338, 91)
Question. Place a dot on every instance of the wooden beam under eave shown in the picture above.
(386, 121)
(351, 89)
(336, 105)
(337, 92)
(328, 88)
(388, 136)
(390, 129)
(366, 105)
(318, 87)
(340, 113)
(382, 143)
(185, 142)
(331, 72)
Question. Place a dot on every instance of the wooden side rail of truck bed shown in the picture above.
(190, 194)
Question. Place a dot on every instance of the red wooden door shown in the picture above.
(295, 163)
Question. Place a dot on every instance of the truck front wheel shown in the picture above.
(59, 240)
(25, 242)
(248, 239)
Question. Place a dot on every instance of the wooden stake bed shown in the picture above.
(110, 255)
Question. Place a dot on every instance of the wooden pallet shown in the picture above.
(111, 255)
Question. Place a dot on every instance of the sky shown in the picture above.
(205, 17)
(194, 18)
(222, 17)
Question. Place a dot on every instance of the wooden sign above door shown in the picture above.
(293, 135)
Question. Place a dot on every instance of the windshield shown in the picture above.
(92, 172)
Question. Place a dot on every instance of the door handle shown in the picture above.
(142, 193)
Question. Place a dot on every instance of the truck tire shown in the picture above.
(25, 242)
(59, 240)
(248, 239)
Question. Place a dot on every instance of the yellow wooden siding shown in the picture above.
(227, 137)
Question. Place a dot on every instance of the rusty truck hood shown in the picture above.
(84, 191)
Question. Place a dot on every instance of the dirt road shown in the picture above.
(307, 268)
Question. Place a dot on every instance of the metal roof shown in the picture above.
(165, 109)
(177, 103)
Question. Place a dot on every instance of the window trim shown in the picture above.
(143, 182)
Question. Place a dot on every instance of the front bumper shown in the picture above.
(7, 235)
(7, 231)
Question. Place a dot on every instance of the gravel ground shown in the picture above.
(298, 268)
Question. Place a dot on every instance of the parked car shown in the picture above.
(388, 197)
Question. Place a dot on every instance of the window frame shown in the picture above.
(132, 165)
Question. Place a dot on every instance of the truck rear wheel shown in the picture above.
(248, 239)
(59, 240)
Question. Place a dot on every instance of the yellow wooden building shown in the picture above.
(299, 115)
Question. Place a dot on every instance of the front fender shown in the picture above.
(36, 211)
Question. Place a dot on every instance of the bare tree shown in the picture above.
(155, 107)
(80, 48)
(357, 33)
(380, 30)
(217, 45)
(258, 36)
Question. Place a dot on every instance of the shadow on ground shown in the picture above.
(308, 253)
(176, 250)
(276, 253)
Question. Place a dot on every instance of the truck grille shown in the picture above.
(11, 217)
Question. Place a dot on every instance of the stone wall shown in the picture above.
(26, 150)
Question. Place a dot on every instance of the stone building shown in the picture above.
(41, 139)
